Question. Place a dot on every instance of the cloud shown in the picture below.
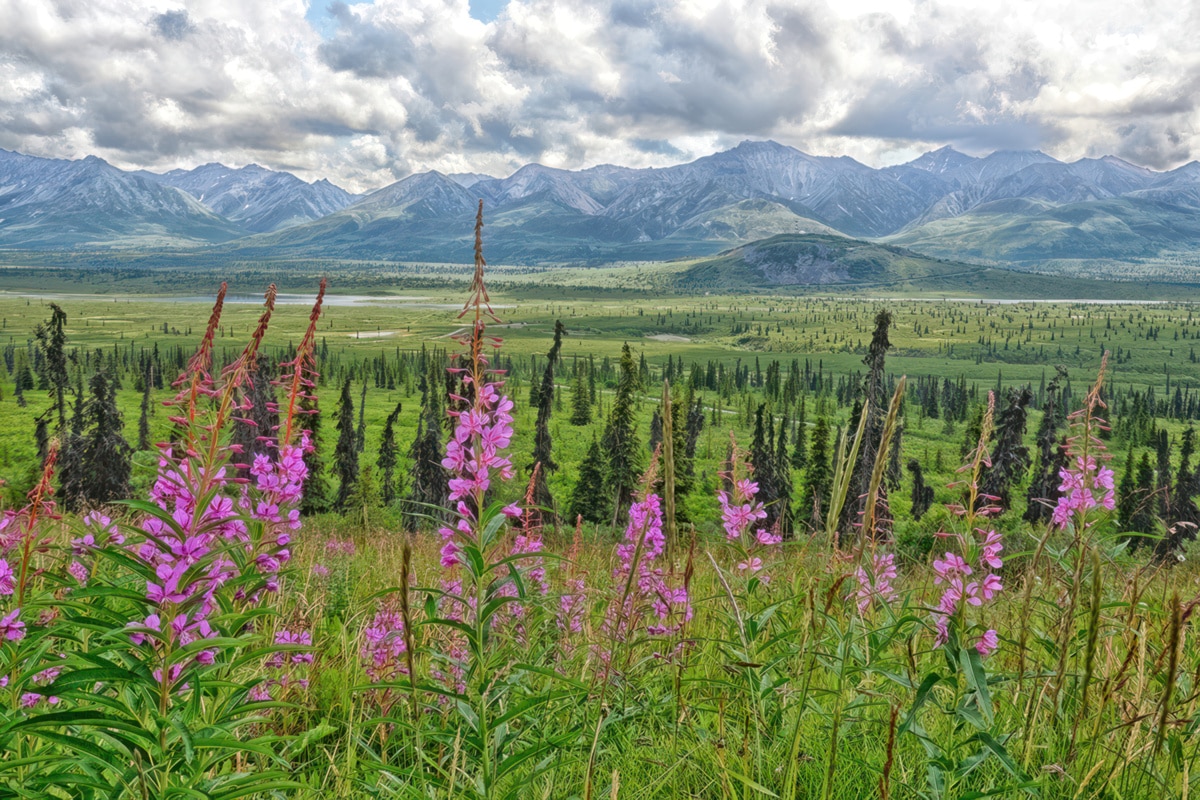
(389, 87)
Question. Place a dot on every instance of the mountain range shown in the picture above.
(1012, 208)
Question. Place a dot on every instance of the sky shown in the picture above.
(364, 93)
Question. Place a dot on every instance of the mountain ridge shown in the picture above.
(1017, 207)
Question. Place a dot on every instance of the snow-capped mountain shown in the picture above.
(1007, 205)
(57, 203)
(259, 199)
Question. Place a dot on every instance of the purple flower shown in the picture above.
(876, 585)
(12, 628)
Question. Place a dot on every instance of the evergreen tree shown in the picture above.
(894, 474)
(818, 477)
(315, 499)
(1136, 507)
(783, 481)
(41, 439)
(619, 441)
(103, 453)
(255, 425)
(762, 459)
(542, 443)
(590, 497)
(874, 393)
(363, 497)
(144, 442)
(389, 457)
(428, 490)
(800, 439)
(71, 471)
(656, 430)
(52, 344)
(345, 454)
(1010, 456)
(360, 434)
(1183, 507)
(1043, 490)
(581, 401)
(922, 495)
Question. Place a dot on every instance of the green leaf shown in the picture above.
(972, 667)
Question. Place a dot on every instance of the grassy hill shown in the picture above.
(837, 264)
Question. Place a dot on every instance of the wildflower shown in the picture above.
(987, 643)
(876, 585)
(7, 586)
(79, 572)
(12, 628)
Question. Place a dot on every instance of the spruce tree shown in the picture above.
(360, 434)
(427, 490)
(783, 481)
(71, 471)
(922, 495)
(762, 459)
(51, 336)
(144, 442)
(315, 499)
(619, 441)
(1043, 489)
(253, 430)
(363, 497)
(542, 443)
(389, 457)
(874, 394)
(800, 439)
(818, 477)
(1010, 456)
(693, 428)
(103, 453)
(590, 498)
(581, 401)
(345, 455)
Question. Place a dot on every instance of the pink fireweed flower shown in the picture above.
(949, 568)
(7, 585)
(740, 515)
(384, 646)
(12, 628)
(649, 586)
(960, 594)
(987, 643)
(876, 585)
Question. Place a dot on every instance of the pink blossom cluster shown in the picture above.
(739, 517)
(649, 587)
(43, 678)
(11, 627)
(968, 585)
(383, 647)
(287, 669)
(875, 583)
(1086, 486)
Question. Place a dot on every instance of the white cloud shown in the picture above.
(403, 85)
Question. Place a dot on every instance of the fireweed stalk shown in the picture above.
(20, 540)
(204, 531)
(1087, 483)
(740, 512)
(486, 578)
(967, 575)
(650, 600)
